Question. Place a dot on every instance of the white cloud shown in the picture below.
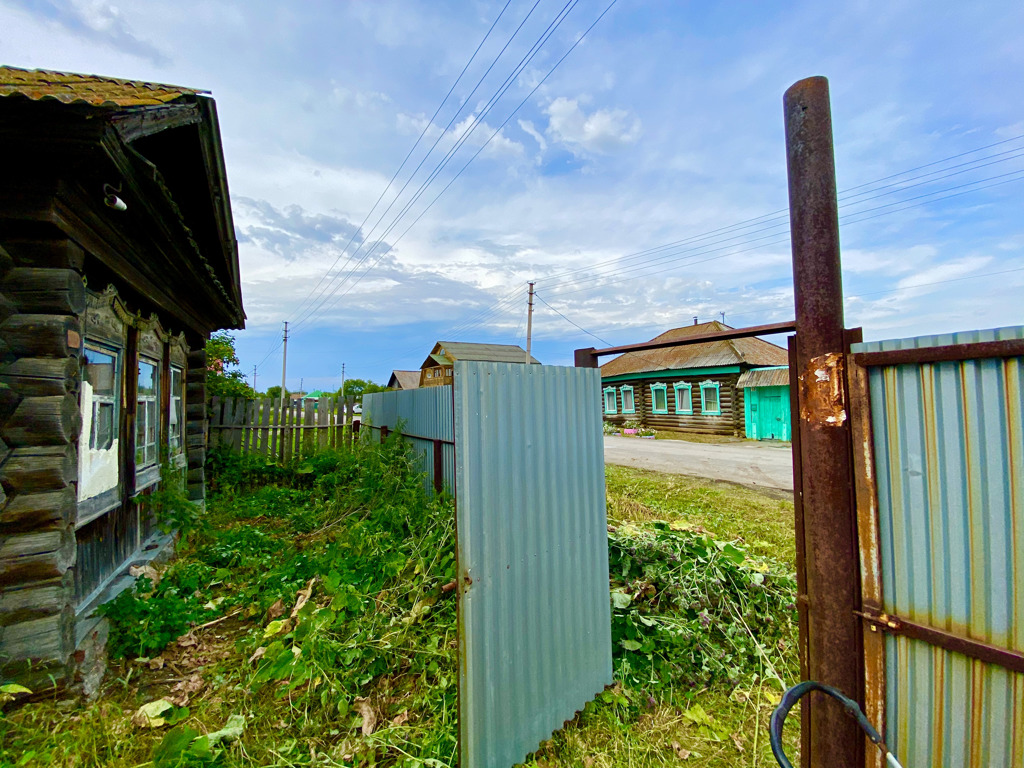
(603, 130)
(471, 131)
(527, 126)
(942, 272)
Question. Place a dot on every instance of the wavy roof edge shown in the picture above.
(93, 90)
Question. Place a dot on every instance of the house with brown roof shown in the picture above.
(690, 388)
(404, 380)
(436, 370)
(117, 261)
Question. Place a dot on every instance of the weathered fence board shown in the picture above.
(264, 427)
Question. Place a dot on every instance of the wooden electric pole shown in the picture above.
(529, 326)
(284, 366)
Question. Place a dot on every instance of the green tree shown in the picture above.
(274, 392)
(221, 358)
(358, 387)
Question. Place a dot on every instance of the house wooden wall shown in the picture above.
(42, 298)
(730, 422)
(43, 553)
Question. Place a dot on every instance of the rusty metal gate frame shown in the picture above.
(876, 622)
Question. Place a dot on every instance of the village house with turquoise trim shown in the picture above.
(691, 388)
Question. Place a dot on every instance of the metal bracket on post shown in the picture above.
(585, 358)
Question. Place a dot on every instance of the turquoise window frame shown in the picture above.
(664, 391)
(717, 386)
(614, 408)
(677, 387)
(632, 397)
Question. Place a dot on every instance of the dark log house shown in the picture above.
(117, 261)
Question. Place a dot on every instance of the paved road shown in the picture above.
(757, 464)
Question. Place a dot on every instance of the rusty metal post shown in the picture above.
(384, 432)
(585, 358)
(834, 643)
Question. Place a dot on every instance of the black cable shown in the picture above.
(413, 149)
(477, 153)
(492, 101)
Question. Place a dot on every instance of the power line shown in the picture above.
(492, 101)
(414, 146)
(483, 146)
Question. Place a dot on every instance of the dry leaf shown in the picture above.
(362, 706)
(303, 597)
(258, 654)
(402, 719)
(588, 761)
(193, 685)
(682, 754)
(276, 611)
(737, 742)
(157, 663)
(187, 641)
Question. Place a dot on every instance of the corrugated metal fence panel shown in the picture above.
(425, 412)
(949, 456)
(535, 637)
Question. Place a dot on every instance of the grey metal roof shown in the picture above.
(709, 354)
(776, 376)
(483, 353)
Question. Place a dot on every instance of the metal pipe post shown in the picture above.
(834, 644)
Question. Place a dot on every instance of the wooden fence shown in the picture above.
(300, 429)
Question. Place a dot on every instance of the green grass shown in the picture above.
(762, 522)
(700, 627)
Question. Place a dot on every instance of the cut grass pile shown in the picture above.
(761, 522)
(306, 623)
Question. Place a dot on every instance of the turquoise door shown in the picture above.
(768, 413)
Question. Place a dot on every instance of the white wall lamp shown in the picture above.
(111, 199)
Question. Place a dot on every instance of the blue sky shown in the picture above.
(663, 125)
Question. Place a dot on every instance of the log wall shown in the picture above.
(42, 295)
(730, 422)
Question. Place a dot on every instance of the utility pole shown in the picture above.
(301, 380)
(529, 326)
(343, 380)
(284, 365)
(723, 317)
(254, 378)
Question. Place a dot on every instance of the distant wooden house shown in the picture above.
(436, 370)
(692, 388)
(117, 261)
(404, 380)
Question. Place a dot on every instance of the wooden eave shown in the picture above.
(146, 121)
(150, 245)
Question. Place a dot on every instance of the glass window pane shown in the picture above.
(660, 403)
(148, 381)
(710, 399)
(100, 371)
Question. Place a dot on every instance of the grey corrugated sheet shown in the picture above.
(776, 376)
(426, 412)
(535, 639)
(949, 456)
